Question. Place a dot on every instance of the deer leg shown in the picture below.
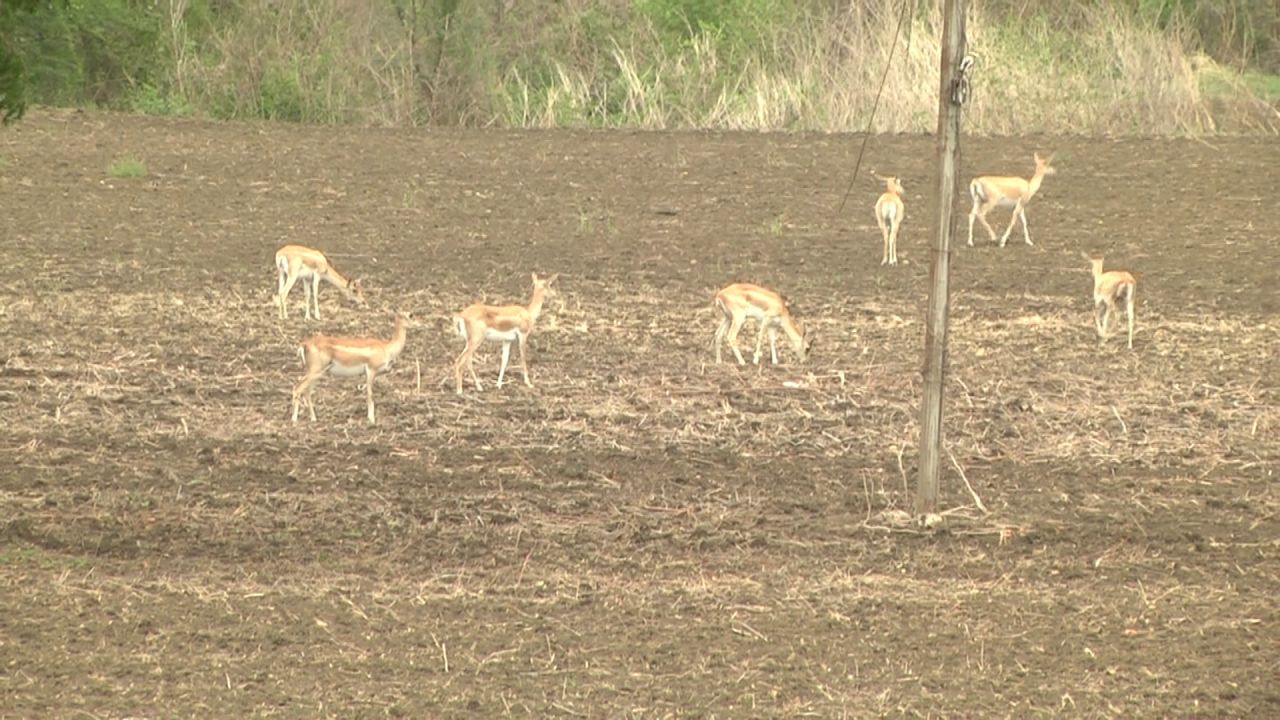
(306, 297)
(506, 355)
(773, 344)
(972, 212)
(734, 328)
(720, 331)
(302, 391)
(884, 234)
(1107, 318)
(764, 326)
(466, 359)
(285, 288)
(893, 241)
(315, 293)
(457, 371)
(524, 363)
(281, 277)
(1026, 233)
(1130, 313)
(1017, 210)
(982, 218)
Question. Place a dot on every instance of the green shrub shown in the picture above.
(127, 168)
(84, 52)
(280, 96)
(151, 100)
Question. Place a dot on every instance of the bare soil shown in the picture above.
(643, 533)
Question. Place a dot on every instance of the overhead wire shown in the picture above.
(907, 16)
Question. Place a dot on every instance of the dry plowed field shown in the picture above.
(643, 533)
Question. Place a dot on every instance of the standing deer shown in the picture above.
(889, 213)
(1108, 289)
(991, 191)
(740, 301)
(294, 263)
(346, 357)
(505, 323)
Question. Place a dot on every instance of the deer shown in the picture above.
(991, 191)
(1109, 288)
(889, 213)
(740, 301)
(347, 357)
(505, 323)
(294, 263)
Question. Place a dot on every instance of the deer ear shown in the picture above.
(552, 278)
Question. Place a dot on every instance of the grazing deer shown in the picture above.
(346, 357)
(294, 263)
(889, 213)
(505, 323)
(991, 191)
(1108, 289)
(740, 301)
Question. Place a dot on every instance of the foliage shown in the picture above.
(13, 69)
(1156, 66)
(1236, 32)
(127, 168)
(740, 30)
(13, 85)
(87, 51)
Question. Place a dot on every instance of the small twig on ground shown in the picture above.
(866, 492)
(903, 470)
(976, 500)
(1116, 412)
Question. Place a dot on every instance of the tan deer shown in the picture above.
(1109, 288)
(889, 213)
(346, 357)
(740, 301)
(991, 191)
(294, 263)
(504, 323)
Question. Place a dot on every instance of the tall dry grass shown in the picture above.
(1088, 68)
(1115, 77)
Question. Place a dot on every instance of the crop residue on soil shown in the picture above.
(643, 533)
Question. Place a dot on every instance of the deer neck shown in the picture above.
(398, 339)
(1097, 275)
(1034, 185)
(338, 280)
(535, 304)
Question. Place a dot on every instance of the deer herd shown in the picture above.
(361, 356)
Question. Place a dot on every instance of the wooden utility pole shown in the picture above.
(953, 91)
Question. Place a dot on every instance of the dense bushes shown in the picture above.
(1151, 66)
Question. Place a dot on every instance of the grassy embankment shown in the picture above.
(1152, 67)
